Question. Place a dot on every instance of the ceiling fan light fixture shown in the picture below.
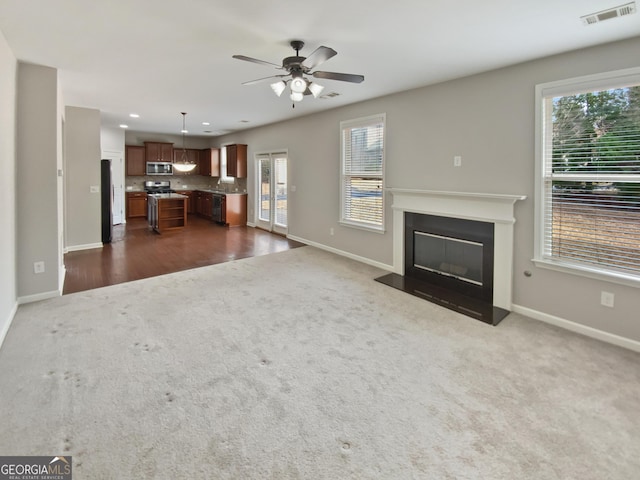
(296, 96)
(278, 87)
(298, 85)
(315, 89)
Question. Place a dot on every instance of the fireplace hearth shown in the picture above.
(454, 249)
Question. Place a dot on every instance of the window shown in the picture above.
(224, 178)
(588, 176)
(362, 173)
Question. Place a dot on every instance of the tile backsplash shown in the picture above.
(187, 182)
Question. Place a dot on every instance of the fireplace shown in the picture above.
(455, 249)
(452, 253)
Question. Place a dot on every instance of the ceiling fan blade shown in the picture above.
(319, 55)
(251, 82)
(343, 77)
(255, 60)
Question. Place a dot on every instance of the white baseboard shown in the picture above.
(37, 297)
(251, 224)
(77, 248)
(368, 261)
(8, 323)
(579, 328)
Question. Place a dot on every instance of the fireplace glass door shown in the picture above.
(453, 257)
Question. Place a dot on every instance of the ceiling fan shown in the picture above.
(297, 67)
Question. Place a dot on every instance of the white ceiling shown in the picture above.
(159, 58)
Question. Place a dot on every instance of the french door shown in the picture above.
(272, 192)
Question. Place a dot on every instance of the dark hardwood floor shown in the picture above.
(137, 252)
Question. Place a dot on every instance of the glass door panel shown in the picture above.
(272, 199)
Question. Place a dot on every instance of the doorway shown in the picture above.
(272, 202)
(117, 180)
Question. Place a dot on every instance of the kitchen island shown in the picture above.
(167, 211)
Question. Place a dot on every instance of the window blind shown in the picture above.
(362, 187)
(591, 199)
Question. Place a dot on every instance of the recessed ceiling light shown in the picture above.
(134, 115)
(122, 125)
(206, 123)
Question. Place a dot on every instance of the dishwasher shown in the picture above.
(218, 210)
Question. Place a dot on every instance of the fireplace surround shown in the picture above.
(451, 211)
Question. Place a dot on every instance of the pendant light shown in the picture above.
(184, 165)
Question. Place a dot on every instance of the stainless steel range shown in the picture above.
(158, 187)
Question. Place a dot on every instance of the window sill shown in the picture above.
(589, 272)
(360, 226)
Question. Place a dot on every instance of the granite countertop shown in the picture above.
(167, 195)
(219, 192)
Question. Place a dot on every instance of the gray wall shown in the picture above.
(488, 119)
(8, 73)
(37, 198)
(82, 170)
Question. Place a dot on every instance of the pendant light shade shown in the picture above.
(298, 85)
(184, 165)
(278, 87)
(296, 96)
(315, 89)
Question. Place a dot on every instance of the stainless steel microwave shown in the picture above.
(159, 168)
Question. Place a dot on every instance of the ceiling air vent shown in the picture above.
(620, 11)
(329, 95)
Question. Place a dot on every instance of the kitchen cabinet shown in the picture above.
(190, 199)
(135, 160)
(203, 203)
(136, 204)
(197, 202)
(210, 162)
(158, 151)
(236, 160)
(235, 209)
(167, 212)
(207, 204)
(193, 156)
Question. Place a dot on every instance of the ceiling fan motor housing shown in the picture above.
(294, 64)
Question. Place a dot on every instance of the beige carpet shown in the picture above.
(298, 365)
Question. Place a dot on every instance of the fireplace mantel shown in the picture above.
(484, 207)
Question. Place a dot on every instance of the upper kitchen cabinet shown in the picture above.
(135, 160)
(158, 151)
(236, 161)
(193, 156)
(210, 162)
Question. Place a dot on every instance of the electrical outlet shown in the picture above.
(606, 299)
(38, 267)
(331, 232)
(457, 161)
(94, 189)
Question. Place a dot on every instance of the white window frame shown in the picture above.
(362, 122)
(224, 178)
(543, 127)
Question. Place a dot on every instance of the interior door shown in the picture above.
(272, 201)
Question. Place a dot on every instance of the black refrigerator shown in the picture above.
(106, 200)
